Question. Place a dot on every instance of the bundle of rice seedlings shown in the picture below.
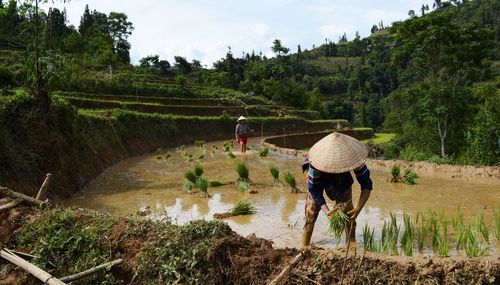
(159, 152)
(190, 176)
(198, 170)
(244, 186)
(443, 246)
(215, 184)
(230, 154)
(243, 174)
(202, 183)
(409, 177)
(264, 152)
(241, 208)
(202, 156)
(188, 186)
(337, 223)
(199, 143)
(368, 241)
(275, 172)
(290, 180)
(395, 173)
(168, 155)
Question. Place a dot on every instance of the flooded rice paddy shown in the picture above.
(145, 182)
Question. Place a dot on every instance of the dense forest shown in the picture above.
(433, 79)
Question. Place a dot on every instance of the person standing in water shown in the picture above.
(328, 169)
(242, 131)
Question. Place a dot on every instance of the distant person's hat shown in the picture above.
(241, 118)
(337, 153)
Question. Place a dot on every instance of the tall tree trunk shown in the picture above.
(443, 130)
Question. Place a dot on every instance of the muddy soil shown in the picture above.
(249, 260)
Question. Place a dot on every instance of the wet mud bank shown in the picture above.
(209, 253)
(77, 147)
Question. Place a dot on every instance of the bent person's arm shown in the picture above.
(364, 180)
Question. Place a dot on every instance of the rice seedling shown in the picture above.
(443, 246)
(496, 214)
(481, 227)
(368, 241)
(230, 155)
(198, 170)
(393, 234)
(275, 172)
(214, 184)
(407, 237)
(159, 152)
(228, 146)
(202, 183)
(469, 241)
(290, 180)
(395, 173)
(168, 155)
(458, 221)
(432, 225)
(264, 152)
(420, 230)
(159, 157)
(189, 157)
(244, 186)
(188, 186)
(202, 156)
(181, 148)
(409, 177)
(190, 176)
(243, 208)
(337, 223)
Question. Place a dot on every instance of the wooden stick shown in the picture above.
(91, 271)
(11, 251)
(11, 204)
(287, 268)
(45, 184)
(32, 269)
(8, 192)
(346, 253)
(361, 261)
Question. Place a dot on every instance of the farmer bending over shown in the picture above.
(328, 169)
(242, 131)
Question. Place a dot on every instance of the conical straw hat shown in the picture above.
(337, 153)
(241, 118)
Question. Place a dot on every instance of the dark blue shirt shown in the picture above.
(335, 183)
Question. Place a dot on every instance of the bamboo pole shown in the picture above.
(31, 200)
(11, 204)
(91, 271)
(287, 268)
(45, 184)
(32, 269)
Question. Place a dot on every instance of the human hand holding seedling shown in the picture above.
(353, 214)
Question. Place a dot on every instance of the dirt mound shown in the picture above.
(250, 260)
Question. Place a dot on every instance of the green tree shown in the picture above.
(315, 100)
(120, 28)
(279, 49)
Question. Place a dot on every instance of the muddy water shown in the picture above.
(145, 181)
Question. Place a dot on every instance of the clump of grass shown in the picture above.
(290, 180)
(337, 223)
(198, 170)
(275, 172)
(395, 173)
(243, 208)
(409, 177)
(264, 152)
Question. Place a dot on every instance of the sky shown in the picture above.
(204, 29)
